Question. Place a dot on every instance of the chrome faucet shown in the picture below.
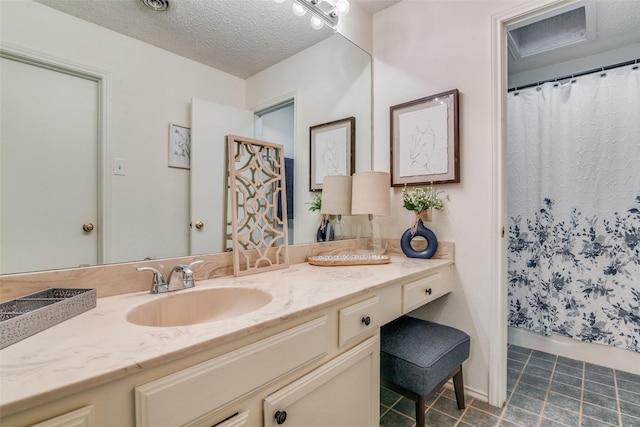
(181, 273)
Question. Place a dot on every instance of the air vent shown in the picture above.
(562, 29)
(157, 5)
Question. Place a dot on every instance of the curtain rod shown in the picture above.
(582, 73)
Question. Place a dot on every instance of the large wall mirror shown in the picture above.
(143, 208)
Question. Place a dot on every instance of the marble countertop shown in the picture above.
(100, 345)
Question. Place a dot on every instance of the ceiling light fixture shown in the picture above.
(323, 12)
(157, 5)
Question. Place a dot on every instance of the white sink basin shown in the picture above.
(189, 308)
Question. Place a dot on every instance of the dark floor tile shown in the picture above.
(395, 419)
(567, 379)
(541, 363)
(598, 369)
(564, 402)
(506, 423)
(627, 376)
(479, 418)
(539, 382)
(383, 409)
(511, 382)
(447, 406)
(520, 416)
(435, 418)
(568, 370)
(600, 413)
(529, 390)
(602, 379)
(518, 349)
(527, 403)
(407, 407)
(628, 421)
(567, 390)
(592, 422)
(543, 355)
(388, 397)
(628, 396)
(629, 386)
(599, 388)
(483, 406)
(546, 422)
(517, 356)
(538, 372)
(561, 415)
(515, 365)
(630, 409)
(573, 363)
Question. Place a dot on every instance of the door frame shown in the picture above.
(18, 53)
(499, 86)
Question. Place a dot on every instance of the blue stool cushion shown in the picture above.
(418, 355)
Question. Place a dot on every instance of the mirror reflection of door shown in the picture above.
(277, 124)
(49, 147)
(210, 124)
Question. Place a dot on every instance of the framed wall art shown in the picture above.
(332, 150)
(179, 147)
(424, 141)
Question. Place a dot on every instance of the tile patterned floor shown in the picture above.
(544, 390)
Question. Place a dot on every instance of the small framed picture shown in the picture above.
(332, 150)
(179, 147)
(424, 141)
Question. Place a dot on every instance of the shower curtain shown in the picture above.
(574, 208)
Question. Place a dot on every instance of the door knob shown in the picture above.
(199, 225)
(88, 227)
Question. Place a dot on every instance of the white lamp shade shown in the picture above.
(336, 195)
(370, 193)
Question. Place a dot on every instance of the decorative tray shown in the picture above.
(361, 259)
(30, 314)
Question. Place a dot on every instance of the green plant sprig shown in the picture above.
(422, 199)
(316, 202)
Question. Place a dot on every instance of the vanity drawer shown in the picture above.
(426, 289)
(358, 319)
(205, 387)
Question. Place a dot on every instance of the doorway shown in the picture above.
(50, 154)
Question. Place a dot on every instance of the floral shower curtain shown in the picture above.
(574, 208)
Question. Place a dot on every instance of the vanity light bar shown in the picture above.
(327, 14)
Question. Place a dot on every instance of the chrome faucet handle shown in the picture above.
(186, 272)
(158, 285)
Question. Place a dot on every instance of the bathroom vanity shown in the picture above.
(306, 354)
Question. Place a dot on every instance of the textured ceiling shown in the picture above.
(240, 37)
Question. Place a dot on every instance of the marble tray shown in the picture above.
(30, 314)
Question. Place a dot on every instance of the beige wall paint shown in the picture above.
(423, 48)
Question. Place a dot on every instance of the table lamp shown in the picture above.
(370, 196)
(336, 200)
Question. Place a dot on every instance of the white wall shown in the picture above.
(422, 48)
(331, 81)
(149, 88)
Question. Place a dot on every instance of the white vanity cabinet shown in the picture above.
(318, 366)
(341, 393)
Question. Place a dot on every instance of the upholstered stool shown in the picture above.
(417, 357)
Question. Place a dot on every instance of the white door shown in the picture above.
(210, 123)
(48, 168)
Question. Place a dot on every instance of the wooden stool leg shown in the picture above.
(420, 410)
(458, 386)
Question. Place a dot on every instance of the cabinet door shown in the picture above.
(344, 392)
(82, 417)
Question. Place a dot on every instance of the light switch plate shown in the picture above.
(119, 167)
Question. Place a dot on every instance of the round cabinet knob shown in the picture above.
(366, 320)
(199, 225)
(87, 227)
(281, 417)
(428, 291)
